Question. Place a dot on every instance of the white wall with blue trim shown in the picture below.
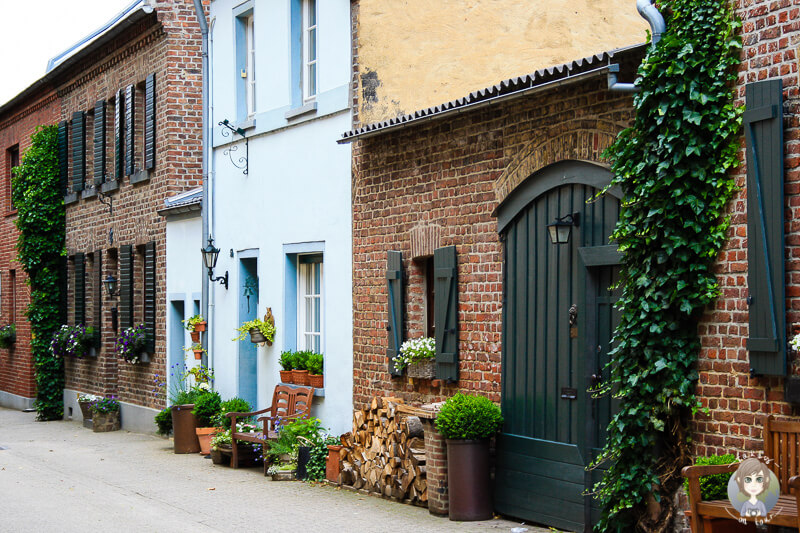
(294, 200)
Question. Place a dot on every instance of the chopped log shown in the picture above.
(414, 427)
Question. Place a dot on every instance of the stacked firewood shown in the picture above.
(385, 453)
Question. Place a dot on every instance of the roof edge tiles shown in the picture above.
(542, 79)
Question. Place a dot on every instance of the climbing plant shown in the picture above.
(38, 199)
(673, 167)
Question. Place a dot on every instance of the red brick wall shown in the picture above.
(738, 402)
(170, 48)
(447, 174)
(16, 127)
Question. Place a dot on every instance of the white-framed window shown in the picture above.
(309, 74)
(310, 303)
(250, 72)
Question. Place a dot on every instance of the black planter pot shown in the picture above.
(468, 482)
(303, 455)
(184, 425)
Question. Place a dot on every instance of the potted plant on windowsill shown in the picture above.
(314, 365)
(261, 331)
(8, 335)
(286, 361)
(418, 355)
(194, 325)
(131, 343)
(468, 422)
(299, 370)
(73, 341)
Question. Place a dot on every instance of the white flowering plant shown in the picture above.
(795, 343)
(91, 398)
(414, 351)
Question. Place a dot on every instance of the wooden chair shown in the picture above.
(782, 445)
(289, 402)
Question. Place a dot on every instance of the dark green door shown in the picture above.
(550, 354)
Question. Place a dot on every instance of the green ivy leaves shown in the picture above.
(672, 167)
(37, 196)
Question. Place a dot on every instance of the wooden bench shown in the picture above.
(782, 445)
(289, 403)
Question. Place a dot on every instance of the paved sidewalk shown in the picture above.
(61, 477)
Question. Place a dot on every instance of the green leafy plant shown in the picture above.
(415, 351)
(318, 458)
(300, 360)
(266, 328)
(234, 405)
(286, 360)
(190, 323)
(714, 487)
(72, 341)
(314, 363)
(673, 167)
(207, 406)
(105, 405)
(304, 431)
(36, 194)
(468, 417)
(8, 335)
(164, 421)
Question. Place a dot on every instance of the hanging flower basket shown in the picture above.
(195, 336)
(256, 337)
(425, 369)
(200, 326)
(198, 354)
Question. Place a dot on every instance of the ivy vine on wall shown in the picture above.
(673, 167)
(38, 198)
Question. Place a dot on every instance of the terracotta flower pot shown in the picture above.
(333, 464)
(195, 336)
(204, 436)
(200, 326)
(300, 377)
(286, 376)
(198, 354)
(316, 380)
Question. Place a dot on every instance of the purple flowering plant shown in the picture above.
(72, 341)
(105, 405)
(130, 343)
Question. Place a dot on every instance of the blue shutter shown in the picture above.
(445, 312)
(763, 120)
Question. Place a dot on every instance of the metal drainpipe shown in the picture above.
(657, 26)
(201, 19)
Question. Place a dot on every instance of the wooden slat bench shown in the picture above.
(289, 402)
(782, 445)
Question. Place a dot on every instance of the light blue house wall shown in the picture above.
(294, 201)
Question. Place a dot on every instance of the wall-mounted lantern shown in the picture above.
(210, 256)
(110, 284)
(561, 228)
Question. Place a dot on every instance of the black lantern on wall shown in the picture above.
(561, 228)
(210, 256)
(110, 284)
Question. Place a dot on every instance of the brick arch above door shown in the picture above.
(583, 140)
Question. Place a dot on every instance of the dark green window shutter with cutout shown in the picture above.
(130, 124)
(78, 150)
(119, 135)
(150, 295)
(126, 286)
(763, 120)
(394, 324)
(63, 154)
(150, 122)
(97, 293)
(80, 288)
(99, 142)
(445, 312)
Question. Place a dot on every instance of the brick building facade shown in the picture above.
(19, 119)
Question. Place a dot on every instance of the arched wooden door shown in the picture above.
(558, 322)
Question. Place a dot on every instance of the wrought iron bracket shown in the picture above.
(241, 163)
(106, 199)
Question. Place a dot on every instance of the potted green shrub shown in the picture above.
(207, 406)
(197, 349)
(261, 331)
(105, 415)
(418, 356)
(286, 361)
(186, 386)
(468, 422)
(299, 370)
(8, 335)
(314, 365)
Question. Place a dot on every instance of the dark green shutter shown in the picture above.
(130, 124)
(445, 312)
(126, 286)
(150, 295)
(150, 122)
(80, 288)
(394, 324)
(97, 291)
(763, 120)
(119, 135)
(78, 150)
(63, 154)
(99, 142)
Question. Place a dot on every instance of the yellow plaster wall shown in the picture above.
(417, 53)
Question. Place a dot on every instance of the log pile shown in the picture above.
(385, 453)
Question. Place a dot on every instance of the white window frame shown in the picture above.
(306, 297)
(309, 73)
(250, 65)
